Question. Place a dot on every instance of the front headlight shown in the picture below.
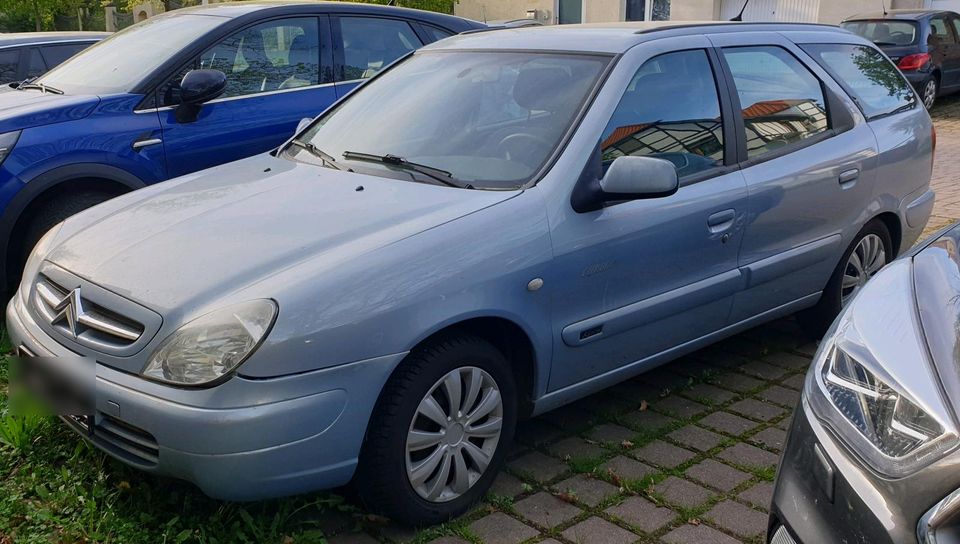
(210, 347)
(873, 383)
(7, 141)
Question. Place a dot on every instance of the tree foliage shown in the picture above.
(14, 14)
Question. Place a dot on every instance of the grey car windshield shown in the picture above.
(119, 63)
(491, 120)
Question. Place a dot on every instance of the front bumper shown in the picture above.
(824, 494)
(246, 439)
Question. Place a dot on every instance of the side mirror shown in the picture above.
(304, 123)
(197, 88)
(632, 178)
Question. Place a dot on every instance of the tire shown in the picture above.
(49, 214)
(836, 294)
(384, 481)
(929, 90)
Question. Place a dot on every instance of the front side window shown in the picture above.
(671, 111)
(491, 119)
(371, 44)
(940, 31)
(272, 56)
(885, 32)
(867, 75)
(782, 101)
(118, 63)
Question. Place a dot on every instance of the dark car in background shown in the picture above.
(925, 45)
(31, 54)
(873, 452)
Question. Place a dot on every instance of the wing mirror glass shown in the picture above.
(196, 88)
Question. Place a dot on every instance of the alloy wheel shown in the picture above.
(866, 260)
(929, 94)
(454, 434)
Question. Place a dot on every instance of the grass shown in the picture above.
(56, 488)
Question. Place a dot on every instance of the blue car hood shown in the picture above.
(195, 239)
(32, 108)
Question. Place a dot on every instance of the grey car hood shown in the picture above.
(197, 238)
(936, 277)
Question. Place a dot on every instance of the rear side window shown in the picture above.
(370, 44)
(867, 75)
(55, 54)
(782, 101)
(9, 60)
(671, 111)
(940, 31)
(35, 65)
(435, 34)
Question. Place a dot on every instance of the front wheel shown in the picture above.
(870, 251)
(439, 432)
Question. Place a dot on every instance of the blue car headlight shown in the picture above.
(873, 382)
(7, 142)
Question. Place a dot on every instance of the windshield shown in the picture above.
(885, 32)
(118, 63)
(491, 120)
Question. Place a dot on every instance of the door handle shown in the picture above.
(848, 178)
(146, 142)
(721, 221)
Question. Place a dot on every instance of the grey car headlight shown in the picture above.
(873, 384)
(210, 347)
(7, 142)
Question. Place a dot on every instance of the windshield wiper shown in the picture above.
(327, 159)
(29, 84)
(437, 174)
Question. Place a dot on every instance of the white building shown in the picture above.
(599, 11)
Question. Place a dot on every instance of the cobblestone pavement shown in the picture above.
(683, 454)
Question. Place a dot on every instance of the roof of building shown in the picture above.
(18, 38)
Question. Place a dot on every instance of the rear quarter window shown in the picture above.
(867, 75)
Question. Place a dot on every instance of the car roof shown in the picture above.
(239, 9)
(21, 38)
(613, 38)
(903, 14)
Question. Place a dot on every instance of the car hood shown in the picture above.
(936, 279)
(25, 109)
(193, 240)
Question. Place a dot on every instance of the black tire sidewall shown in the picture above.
(382, 478)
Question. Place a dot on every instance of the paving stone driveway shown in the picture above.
(685, 453)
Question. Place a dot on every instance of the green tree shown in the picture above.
(40, 11)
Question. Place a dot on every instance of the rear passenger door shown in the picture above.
(10, 65)
(809, 170)
(942, 31)
(365, 45)
(278, 72)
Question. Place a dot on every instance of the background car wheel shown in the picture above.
(48, 214)
(870, 251)
(439, 433)
(928, 92)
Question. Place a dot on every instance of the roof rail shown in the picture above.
(731, 24)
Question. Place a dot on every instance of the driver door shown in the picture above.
(278, 72)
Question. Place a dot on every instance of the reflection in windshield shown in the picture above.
(490, 119)
(118, 63)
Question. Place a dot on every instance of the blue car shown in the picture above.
(116, 117)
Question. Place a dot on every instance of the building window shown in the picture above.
(636, 10)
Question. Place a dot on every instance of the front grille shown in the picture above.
(126, 441)
(72, 315)
(782, 536)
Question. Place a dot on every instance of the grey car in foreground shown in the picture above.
(872, 453)
(499, 224)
